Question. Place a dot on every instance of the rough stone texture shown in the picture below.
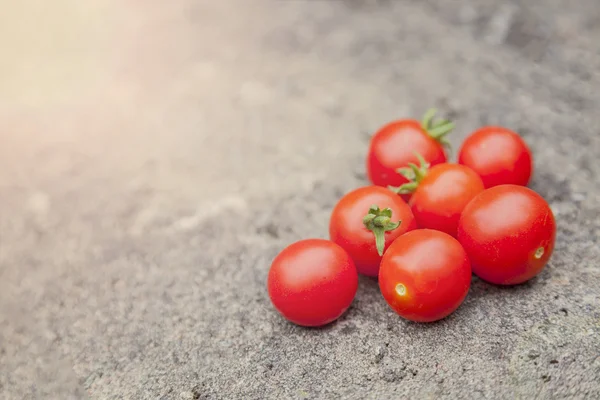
(155, 156)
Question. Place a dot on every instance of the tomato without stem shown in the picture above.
(425, 275)
(498, 155)
(440, 194)
(365, 221)
(312, 282)
(394, 146)
(508, 232)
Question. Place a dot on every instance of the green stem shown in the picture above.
(415, 174)
(440, 130)
(406, 188)
(427, 120)
(437, 128)
(379, 222)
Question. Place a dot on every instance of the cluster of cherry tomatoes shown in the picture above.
(422, 227)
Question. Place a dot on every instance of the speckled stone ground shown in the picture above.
(155, 156)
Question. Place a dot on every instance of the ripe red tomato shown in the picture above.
(312, 282)
(440, 194)
(425, 275)
(365, 221)
(498, 155)
(508, 232)
(394, 146)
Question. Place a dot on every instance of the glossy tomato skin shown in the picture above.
(508, 231)
(498, 155)
(442, 195)
(347, 230)
(425, 275)
(394, 146)
(312, 282)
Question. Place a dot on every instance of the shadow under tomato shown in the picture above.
(481, 288)
(478, 291)
(342, 324)
(368, 304)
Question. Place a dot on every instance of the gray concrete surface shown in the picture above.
(155, 156)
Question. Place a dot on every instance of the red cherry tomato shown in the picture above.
(312, 282)
(508, 232)
(394, 146)
(365, 231)
(498, 155)
(440, 194)
(425, 275)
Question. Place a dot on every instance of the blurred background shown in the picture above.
(155, 155)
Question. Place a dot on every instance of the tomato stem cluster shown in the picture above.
(415, 174)
(379, 222)
(437, 128)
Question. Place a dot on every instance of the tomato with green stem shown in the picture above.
(365, 221)
(508, 231)
(440, 193)
(312, 282)
(395, 144)
(498, 155)
(425, 275)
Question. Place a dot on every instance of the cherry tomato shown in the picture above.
(508, 232)
(440, 194)
(498, 155)
(365, 221)
(394, 146)
(425, 275)
(312, 282)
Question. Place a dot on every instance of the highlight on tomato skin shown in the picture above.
(394, 146)
(509, 232)
(499, 155)
(425, 275)
(366, 221)
(312, 282)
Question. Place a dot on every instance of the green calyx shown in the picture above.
(414, 173)
(379, 222)
(437, 128)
